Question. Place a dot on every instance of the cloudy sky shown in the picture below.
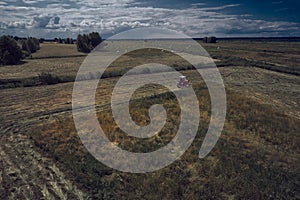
(222, 18)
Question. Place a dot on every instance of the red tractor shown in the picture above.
(183, 82)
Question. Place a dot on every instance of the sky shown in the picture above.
(221, 18)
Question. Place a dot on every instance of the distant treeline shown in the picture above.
(211, 39)
(13, 48)
(269, 39)
(64, 40)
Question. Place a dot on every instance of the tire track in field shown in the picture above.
(26, 174)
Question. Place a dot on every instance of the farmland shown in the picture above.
(256, 157)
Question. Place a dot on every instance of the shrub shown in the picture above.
(48, 79)
(10, 53)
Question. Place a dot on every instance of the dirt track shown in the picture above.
(26, 174)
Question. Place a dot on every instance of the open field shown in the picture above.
(257, 156)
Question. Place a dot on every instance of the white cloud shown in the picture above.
(40, 21)
(198, 4)
(32, 1)
(111, 16)
(220, 7)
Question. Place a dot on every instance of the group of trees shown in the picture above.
(211, 39)
(87, 42)
(64, 40)
(14, 49)
(30, 45)
(10, 52)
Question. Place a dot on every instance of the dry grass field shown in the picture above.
(257, 156)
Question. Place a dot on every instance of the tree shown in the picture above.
(10, 52)
(16, 38)
(67, 41)
(95, 39)
(42, 40)
(83, 44)
(211, 39)
(31, 45)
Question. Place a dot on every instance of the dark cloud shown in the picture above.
(56, 20)
(40, 21)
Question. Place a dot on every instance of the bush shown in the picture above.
(10, 53)
(48, 79)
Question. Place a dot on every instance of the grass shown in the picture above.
(228, 61)
(256, 156)
(278, 56)
(64, 60)
(44, 78)
(58, 72)
(53, 50)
